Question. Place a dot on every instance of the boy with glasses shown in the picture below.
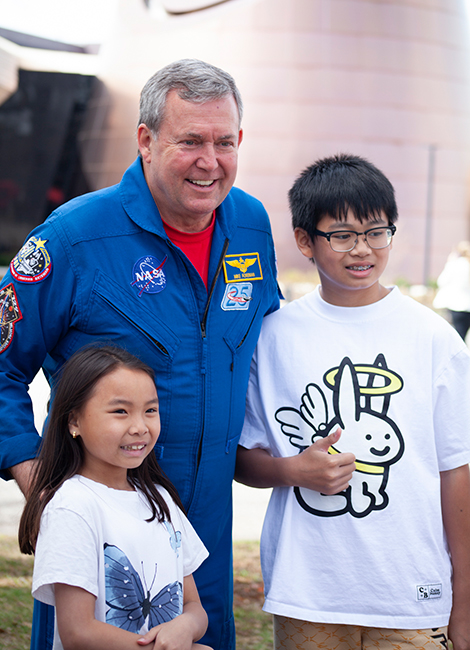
(361, 373)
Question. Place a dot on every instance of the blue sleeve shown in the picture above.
(37, 303)
(277, 297)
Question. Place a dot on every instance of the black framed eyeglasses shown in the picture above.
(343, 241)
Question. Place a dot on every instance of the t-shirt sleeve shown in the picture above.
(452, 412)
(66, 552)
(194, 551)
(254, 433)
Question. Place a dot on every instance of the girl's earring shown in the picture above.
(74, 434)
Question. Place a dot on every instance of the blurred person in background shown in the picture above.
(454, 288)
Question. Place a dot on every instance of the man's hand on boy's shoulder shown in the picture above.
(314, 468)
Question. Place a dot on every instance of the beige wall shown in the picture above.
(384, 78)
(8, 71)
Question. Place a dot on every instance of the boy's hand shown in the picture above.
(316, 469)
(458, 629)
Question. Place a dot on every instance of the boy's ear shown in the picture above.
(304, 242)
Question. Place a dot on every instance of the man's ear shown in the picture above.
(304, 242)
(144, 140)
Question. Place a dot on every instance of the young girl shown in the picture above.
(114, 551)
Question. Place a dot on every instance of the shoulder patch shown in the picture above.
(10, 313)
(241, 267)
(32, 263)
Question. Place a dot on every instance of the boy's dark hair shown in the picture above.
(333, 185)
(61, 456)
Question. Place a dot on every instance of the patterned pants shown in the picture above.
(291, 634)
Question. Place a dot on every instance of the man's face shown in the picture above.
(191, 165)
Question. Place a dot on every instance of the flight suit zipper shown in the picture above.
(204, 343)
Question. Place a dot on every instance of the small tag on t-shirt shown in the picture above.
(426, 592)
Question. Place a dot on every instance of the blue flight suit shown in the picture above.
(101, 268)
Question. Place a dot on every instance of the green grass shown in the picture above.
(16, 603)
(254, 627)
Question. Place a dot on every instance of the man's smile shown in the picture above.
(201, 183)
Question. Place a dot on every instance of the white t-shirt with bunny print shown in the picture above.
(395, 377)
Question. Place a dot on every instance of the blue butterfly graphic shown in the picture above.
(125, 595)
(175, 537)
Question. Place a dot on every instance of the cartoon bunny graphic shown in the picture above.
(361, 398)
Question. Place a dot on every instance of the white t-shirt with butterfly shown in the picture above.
(96, 538)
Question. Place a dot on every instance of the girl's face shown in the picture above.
(118, 426)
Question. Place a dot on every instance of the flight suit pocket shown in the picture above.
(131, 325)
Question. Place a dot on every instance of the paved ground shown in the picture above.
(249, 508)
(249, 504)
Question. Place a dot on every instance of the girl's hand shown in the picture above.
(148, 638)
(182, 632)
(173, 635)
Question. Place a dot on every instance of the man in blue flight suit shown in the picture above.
(178, 268)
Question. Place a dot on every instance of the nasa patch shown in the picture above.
(10, 313)
(148, 275)
(32, 263)
(237, 296)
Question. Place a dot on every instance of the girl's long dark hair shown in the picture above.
(62, 456)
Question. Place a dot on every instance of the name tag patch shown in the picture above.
(426, 592)
(10, 313)
(241, 267)
(237, 296)
(32, 263)
(148, 275)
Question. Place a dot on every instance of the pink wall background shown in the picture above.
(385, 79)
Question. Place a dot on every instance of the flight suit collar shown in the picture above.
(140, 206)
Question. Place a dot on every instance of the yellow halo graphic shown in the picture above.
(393, 385)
